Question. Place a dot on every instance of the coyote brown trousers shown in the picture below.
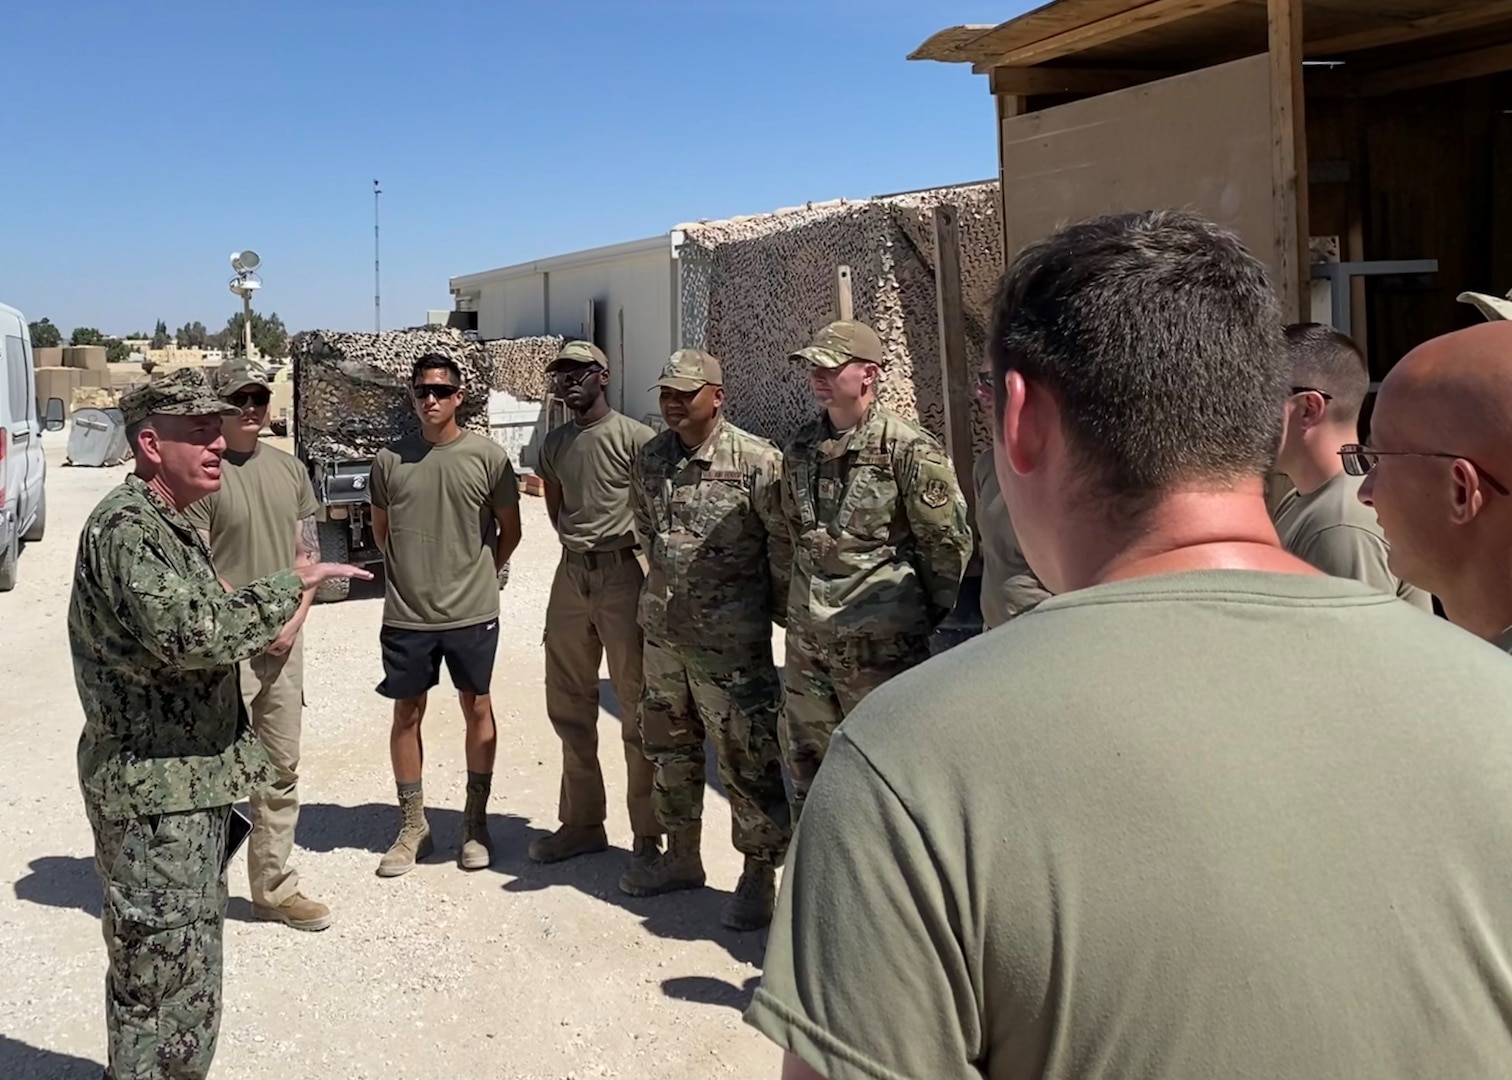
(273, 690)
(591, 613)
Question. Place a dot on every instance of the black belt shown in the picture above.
(595, 559)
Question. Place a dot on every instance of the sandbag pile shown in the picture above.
(352, 390)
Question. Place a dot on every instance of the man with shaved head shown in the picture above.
(1436, 472)
(1322, 521)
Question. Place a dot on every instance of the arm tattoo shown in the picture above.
(309, 539)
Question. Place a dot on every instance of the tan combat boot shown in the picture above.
(414, 840)
(568, 842)
(679, 867)
(477, 845)
(751, 906)
(298, 911)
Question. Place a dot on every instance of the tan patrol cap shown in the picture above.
(579, 352)
(841, 342)
(1494, 308)
(689, 370)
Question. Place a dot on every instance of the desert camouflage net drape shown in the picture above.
(755, 288)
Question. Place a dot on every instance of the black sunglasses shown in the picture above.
(1324, 394)
(242, 398)
(1359, 460)
(580, 375)
(439, 391)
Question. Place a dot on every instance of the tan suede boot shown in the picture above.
(751, 906)
(568, 842)
(414, 840)
(679, 867)
(477, 845)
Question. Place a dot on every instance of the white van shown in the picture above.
(23, 470)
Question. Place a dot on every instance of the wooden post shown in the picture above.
(845, 307)
(1288, 157)
(1008, 106)
(955, 365)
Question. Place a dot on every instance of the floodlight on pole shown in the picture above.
(244, 284)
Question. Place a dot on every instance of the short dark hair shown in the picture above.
(1324, 359)
(134, 434)
(1160, 336)
(436, 362)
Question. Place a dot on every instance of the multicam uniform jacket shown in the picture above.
(715, 538)
(880, 534)
(156, 640)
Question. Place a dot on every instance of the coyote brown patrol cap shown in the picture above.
(579, 352)
(690, 370)
(841, 342)
(181, 393)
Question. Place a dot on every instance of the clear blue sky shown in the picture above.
(149, 140)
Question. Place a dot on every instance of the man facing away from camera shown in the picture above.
(1116, 846)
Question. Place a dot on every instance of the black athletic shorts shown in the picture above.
(412, 658)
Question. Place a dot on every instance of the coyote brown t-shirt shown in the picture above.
(439, 563)
(1107, 841)
(591, 464)
(1334, 531)
(1009, 587)
(252, 521)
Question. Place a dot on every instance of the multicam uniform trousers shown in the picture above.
(733, 696)
(826, 680)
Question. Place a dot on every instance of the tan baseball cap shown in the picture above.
(1494, 308)
(841, 342)
(579, 352)
(690, 370)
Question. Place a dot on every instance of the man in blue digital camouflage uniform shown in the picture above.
(166, 748)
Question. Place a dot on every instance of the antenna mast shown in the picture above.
(377, 303)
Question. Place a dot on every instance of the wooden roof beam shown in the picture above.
(1443, 69)
(1119, 25)
(1034, 81)
(1447, 22)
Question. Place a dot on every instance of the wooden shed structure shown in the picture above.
(1362, 148)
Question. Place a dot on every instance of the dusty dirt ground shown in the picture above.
(517, 971)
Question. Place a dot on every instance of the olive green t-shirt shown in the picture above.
(1009, 587)
(253, 520)
(442, 534)
(591, 464)
(1106, 841)
(1334, 531)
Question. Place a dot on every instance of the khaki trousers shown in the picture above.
(273, 690)
(592, 613)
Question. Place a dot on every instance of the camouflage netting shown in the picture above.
(518, 365)
(756, 288)
(353, 394)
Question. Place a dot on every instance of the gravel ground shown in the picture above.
(517, 971)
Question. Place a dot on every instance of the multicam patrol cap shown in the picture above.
(1494, 308)
(180, 393)
(841, 342)
(690, 370)
(579, 352)
(238, 373)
